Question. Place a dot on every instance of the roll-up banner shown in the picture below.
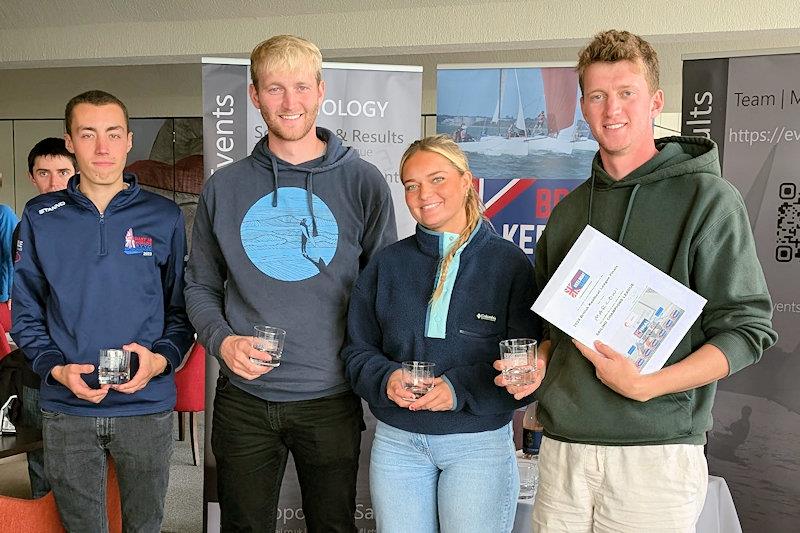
(376, 109)
(750, 106)
(524, 135)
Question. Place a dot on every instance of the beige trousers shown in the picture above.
(620, 489)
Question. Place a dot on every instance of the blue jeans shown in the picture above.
(458, 483)
(75, 459)
(32, 417)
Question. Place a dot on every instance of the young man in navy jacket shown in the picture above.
(100, 265)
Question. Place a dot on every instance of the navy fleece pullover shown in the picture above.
(86, 281)
(490, 302)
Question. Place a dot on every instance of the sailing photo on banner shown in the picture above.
(525, 137)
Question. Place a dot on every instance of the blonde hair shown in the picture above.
(611, 46)
(285, 52)
(444, 146)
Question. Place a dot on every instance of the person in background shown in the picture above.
(8, 221)
(279, 239)
(100, 265)
(447, 295)
(623, 451)
(50, 165)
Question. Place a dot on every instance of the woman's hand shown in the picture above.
(395, 390)
(439, 398)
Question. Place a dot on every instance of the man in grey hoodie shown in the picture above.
(279, 239)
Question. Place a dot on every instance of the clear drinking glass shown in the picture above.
(418, 377)
(114, 366)
(520, 356)
(270, 341)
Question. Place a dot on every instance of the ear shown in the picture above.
(130, 141)
(321, 89)
(253, 92)
(68, 142)
(657, 104)
(468, 177)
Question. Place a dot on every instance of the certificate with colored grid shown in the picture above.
(602, 291)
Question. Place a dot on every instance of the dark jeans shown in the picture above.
(32, 417)
(75, 458)
(251, 439)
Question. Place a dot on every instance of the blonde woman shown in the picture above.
(447, 295)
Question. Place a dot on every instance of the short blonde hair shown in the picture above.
(611, 46)
(444, 146)
(285, 52)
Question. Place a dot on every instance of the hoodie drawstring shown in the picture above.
(274, 180)
(628, 213)
(627, 210)
(310, 195)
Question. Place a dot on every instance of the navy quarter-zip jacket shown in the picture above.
(86, 281)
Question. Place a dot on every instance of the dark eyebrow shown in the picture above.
(92, 128)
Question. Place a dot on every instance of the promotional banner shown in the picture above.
(750, 106)
(524, 136)
(376, 109)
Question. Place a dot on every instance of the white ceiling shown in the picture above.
(63, 33)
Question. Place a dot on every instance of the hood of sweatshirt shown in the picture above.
(677, 156)
(335, 156)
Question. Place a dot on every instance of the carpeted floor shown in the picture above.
(184, 506)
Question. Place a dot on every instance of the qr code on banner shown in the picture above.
(787, 244)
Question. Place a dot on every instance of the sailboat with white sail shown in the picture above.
(557, 135)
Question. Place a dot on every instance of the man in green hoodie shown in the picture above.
(624, 451)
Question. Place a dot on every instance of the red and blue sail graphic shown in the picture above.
(519, 207)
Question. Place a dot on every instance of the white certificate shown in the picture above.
(602, 291)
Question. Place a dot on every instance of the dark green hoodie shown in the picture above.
(680, 215)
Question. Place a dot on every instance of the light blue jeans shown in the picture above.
(457, 483)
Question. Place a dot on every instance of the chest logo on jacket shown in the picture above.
(281, 242)
(138, 245)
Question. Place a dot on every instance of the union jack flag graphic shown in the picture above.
(519, 208)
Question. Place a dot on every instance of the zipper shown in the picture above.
(103, 250)
(477, 335)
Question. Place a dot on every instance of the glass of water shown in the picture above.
(528, 476)
(418, 377)
(269, 340)
(520, 357)
(114, 367)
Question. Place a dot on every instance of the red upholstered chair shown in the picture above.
(41, 515)
(190, 382)
(5, 347)
(5, 316)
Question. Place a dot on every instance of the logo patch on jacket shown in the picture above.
(138, 245)
(52, 208)
(486, 317)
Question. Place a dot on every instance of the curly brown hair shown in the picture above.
(611, 46)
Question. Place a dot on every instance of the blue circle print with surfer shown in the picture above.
(280, 240)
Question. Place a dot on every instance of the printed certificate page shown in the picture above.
(602, 291)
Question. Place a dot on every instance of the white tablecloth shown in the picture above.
(718, 515)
